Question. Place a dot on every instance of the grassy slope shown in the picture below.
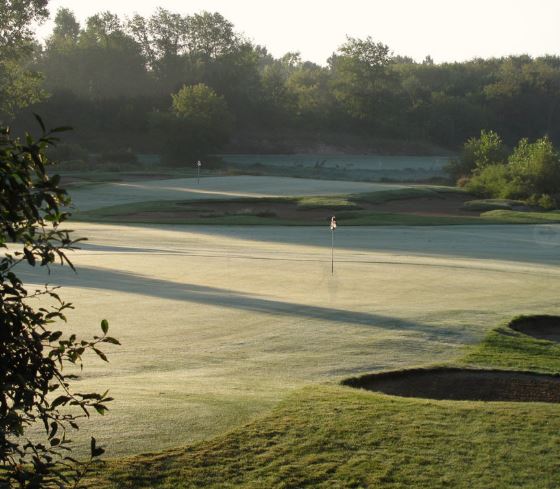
(518, 217)
(508, 349)
(349, 205)
(337, 437)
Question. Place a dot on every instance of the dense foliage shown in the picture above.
(530, 172)
(110, 75)
(19, 85)
(35, 383)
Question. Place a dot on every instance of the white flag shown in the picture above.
(199, 163)
(333, 223)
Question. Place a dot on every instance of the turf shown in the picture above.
(484, 205)
(520, 217)
(218, 324)
(506, 348)
(330, 436)
(347, 206)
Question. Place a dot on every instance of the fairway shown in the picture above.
(108, 194)
(219, 324)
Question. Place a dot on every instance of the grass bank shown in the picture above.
(331, 436)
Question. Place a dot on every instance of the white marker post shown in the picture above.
(198, 165)
(333, 227)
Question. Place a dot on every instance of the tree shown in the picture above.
(478, 153)
(19, 86)
(535, 168)
(16, 18)
(163, 39)
(210, 35)
(199, 123)
(201, 106)
(363, 83)
(66, 28)
(35, 387)
(99, 62)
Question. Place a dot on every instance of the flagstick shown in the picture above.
(198, 176)
(333, 227)
(332, 252)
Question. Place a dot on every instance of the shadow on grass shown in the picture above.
(91, 278)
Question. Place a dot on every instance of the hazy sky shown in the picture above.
(448, 30)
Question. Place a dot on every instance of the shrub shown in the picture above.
(493, 181)
(535, 167)
(543, 201)
(477, 154)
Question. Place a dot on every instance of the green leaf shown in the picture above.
(55, 336)
(29, 256)
(104, 326)
(60, 400)
(40, 121)
(101, 409)
(100, 354)
(113, 341)
(62, 129)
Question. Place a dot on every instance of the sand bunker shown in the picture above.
(463, 385)
(541, 327)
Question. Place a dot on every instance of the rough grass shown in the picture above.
(521, 217)
(337, 437)
(406, 193)
(509, 349)
(348, 207)
(484, 205)
(328, 437)
(331, 202)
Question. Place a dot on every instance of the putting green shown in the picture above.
(218, 324)
(116, 193)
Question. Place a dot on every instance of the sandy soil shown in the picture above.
(464, 385)
(541, 327)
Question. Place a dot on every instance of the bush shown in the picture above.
(543, 201)
(477, 154)
(535, 167)
(493, 181)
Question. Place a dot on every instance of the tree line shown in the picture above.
(113, 79)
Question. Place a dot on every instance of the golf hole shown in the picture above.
(463, 385)
(540, 327)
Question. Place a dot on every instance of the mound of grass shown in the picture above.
(404, 193)
(484, 205)
(509, 349)
(337, 437)
(327, 202)
(520, 217)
